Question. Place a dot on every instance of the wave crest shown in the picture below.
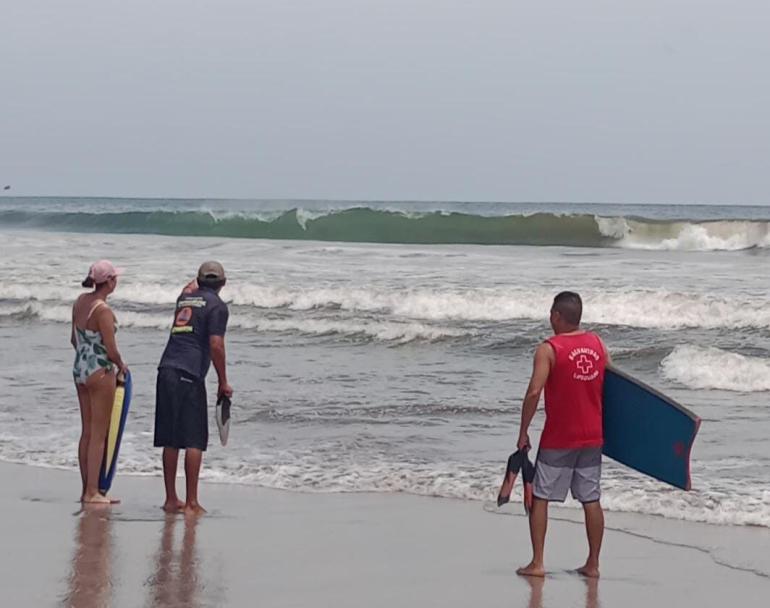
(368, 225)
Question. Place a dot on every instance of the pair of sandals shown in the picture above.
(518, 461)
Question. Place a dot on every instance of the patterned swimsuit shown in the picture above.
(90, 352)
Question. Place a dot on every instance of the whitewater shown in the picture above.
(385, 347)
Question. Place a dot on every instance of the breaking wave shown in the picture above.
(391, 331)
(147, 305)
(368, 225)
(711, 368)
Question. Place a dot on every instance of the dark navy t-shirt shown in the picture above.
(199, 315)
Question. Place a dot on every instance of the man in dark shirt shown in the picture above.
(181, 415)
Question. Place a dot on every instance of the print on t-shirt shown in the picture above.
(182, 321)
(584, 360)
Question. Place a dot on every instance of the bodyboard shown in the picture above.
(646, 430)
(115, 433)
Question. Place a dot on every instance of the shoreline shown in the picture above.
(285, 548)
(568, 511)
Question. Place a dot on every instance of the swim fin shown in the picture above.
(223, 418)
(511, 471)
(528, 477)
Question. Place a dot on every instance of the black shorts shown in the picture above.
(181, 413)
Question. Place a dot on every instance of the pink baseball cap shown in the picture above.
(100, 272)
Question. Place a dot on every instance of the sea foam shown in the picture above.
(707, 368)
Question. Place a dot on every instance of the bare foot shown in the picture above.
(532, 569)
(173, 506)
(194, 509)
(589, 571)
(99, 499)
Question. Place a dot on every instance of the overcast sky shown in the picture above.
(562, 100)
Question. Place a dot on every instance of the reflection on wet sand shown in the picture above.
(90, 585)
(592, 592)
(176, 581)
(537, 583)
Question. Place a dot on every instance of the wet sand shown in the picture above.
(274, 548)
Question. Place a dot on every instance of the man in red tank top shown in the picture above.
(570, 367)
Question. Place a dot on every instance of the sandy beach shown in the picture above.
(277, 548)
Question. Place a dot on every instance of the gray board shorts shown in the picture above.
(578, 470)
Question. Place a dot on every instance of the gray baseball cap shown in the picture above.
(211, 271)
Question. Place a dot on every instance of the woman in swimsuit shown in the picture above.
(97, 363)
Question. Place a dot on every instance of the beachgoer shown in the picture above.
(97, 362)
(570, 367)
(181, 413)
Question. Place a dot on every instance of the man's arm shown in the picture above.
(544, 358)
(217, 346)
(189, 288)
(217, 327)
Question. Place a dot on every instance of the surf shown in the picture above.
(711, 368)
(395, 224)
(145, 304)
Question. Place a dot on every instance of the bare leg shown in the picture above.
(595, 531)
(85, 433)
(101, 390)
(170, 460)
(193, 459)
(538, 524)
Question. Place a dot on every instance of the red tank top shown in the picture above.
(573, 393)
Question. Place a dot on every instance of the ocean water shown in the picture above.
(386, 346)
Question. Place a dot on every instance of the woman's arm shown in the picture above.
(73, 341)
(106, 324)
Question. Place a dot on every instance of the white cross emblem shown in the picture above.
(585, 365)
